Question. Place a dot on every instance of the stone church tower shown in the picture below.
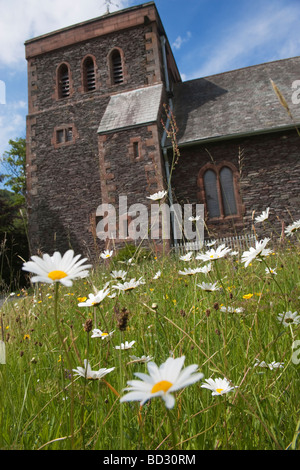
(96, 99)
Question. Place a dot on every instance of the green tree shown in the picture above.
(13, 230)
(14, 163)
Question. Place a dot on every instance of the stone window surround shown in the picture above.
(57, 84)
(65, 142)
(201, 193)
(109, 66)
(136, 147)
(110, 81)
(97, 82)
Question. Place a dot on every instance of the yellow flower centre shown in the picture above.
(162, 386)
(104, 334)
(219, 390)
(57, 275)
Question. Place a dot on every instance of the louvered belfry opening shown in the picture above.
(117, 69)
(89, 74)
(64, 81)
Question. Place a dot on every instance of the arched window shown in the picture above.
(219, 190)
(116, 67)
(89, 74)
(63, 79)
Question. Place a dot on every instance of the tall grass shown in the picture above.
(168, 316)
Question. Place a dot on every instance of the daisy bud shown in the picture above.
(88, 326)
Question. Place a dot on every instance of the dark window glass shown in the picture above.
(227, 191)
(60, 136)
(136, 150)
(211, 193)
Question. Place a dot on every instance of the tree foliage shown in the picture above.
(14, 163)
(13, 220)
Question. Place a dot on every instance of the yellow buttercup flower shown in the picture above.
(247, 296)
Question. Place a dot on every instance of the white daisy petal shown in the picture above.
(161, 381)
(56, 268)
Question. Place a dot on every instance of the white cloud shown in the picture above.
(12, 123)
(179, 40)
(23, 19)
(267, 31)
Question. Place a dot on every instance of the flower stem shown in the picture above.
(276, 282)
(121, 409)
(68, 360)
(226, 315)
(84, 392)
(172, 428)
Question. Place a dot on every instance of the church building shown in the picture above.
(103, 98)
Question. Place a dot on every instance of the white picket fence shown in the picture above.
(237, 243)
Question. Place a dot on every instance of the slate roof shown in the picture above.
(236, 103)
(131, 109)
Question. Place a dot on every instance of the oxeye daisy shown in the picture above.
(106, 254)
(205, 269)
(264, 215)
(218, 386)
(157, 196)
(96, 299)
(119, 274)
(208, 286)
(187, 256)
(190, 272)
(125, 345)
(143, 359)
(271, 271)
(292, 228)
(57, 268)
(96, 333)
(289, 318)
(212, 243)
(252, 253)
(88, 373)
(157, 275)
(162, 381)
(132, 284)
(273, 365)
(212, 254)
(231, 309)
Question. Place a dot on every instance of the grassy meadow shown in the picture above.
(232, 332)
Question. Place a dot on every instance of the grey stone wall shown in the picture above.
(269, 177)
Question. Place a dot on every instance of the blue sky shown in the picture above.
(207, 37)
